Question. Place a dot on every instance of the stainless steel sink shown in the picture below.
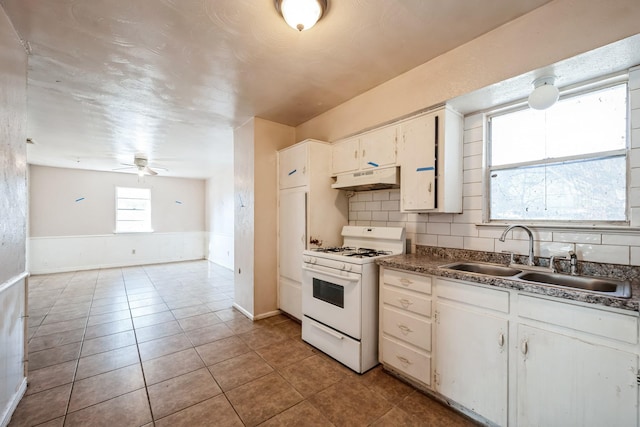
(609, 287)
(480, 268)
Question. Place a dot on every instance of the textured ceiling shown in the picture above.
(171, 78)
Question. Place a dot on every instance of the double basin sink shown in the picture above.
(610, 287)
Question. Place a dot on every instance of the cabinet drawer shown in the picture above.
(415, 303)
(407, 360)
(594, 321)
(407, 327)
(471, 294)
(406, 280)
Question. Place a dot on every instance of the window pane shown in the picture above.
(133, 204)
(131, 226)
(132, 215)
(133, 210)
(588, 123)
(133, 193)
(567, 191)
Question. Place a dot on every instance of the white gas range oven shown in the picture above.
(340, 294)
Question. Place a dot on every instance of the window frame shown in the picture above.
(567, 93)
(116, 222)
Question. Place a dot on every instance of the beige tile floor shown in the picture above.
(160, 345)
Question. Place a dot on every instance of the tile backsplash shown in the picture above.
(604, 245)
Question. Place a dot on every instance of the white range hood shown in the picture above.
(373, 179)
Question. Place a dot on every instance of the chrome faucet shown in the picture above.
(525, 228)
(573, 263)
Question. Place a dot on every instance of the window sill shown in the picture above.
(133, 232)
(615, 229)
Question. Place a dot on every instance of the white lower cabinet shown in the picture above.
(471, 349)
(509, 357)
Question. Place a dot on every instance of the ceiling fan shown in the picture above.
(140, 163)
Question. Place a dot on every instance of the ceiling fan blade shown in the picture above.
(150, 171)
(124, 168)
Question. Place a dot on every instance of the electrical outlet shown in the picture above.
(133, 251)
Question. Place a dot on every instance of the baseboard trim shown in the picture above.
(113, 265)
(243, 311)
(265, 315)
(6, 416)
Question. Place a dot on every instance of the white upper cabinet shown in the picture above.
(292, 170)
(431, 162)
(369, 150)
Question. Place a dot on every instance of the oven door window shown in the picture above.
(328, 292)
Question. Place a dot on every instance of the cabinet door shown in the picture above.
(345, 156)
(292, 239)
(564, 381)
(378, 148)
(471, 360)
(418, 164)
(292, 167)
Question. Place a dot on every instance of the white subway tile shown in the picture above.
(439, 228)
(634, 197)
(353, 222)
(356, 206)
(473, 135)
(635, 139)
(373, 206)
(479, 244)
(546, 249)
(473, 202)
(464, 230)
(472, 162)
(634, 158)
(593, 238)
(363, 216)
(391, 205)
(381, 195)
(364, 196)
(470, 216)
(472, 175)
(635, 177)
(603, 253)
(394, 195)
(634, 217)
(634, 79)
(472, 189)
(456, 242)
(397, 216)
(396, 224)
(635, 255)
(380, 216)
(473, 121)
(427, 239)
(416, 227)
(440, 217)
(635, 118)
(378, 223)
(620, 239)
(493, 233)
(416, 217)
(472, 149)
(518, 247)
(363, 223)
(634, 98)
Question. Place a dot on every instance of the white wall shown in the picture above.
(219, 217)
(72, 220)
(13, 220)
(382, 208)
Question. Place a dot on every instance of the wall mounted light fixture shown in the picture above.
(301, 14)
(544, 94)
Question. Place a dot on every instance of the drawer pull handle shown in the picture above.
(328, 332)
(501, 340)
(405, 282)
(404, 329)
(524, 347)
(404, 360)
(405, 302)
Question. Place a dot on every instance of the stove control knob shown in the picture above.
(310, 260)
(346, 267)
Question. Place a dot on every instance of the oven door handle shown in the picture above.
(328, 331)
(335, 276)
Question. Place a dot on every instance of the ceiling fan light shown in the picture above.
(301, 14)
(140, 171)
(544, 94)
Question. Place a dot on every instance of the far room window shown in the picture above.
(133, 210)
(566, 163)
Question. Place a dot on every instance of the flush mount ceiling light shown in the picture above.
(301, 14)
(544, 94)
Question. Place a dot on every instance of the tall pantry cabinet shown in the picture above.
(310, 214)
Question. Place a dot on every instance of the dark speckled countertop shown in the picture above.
(430, 264)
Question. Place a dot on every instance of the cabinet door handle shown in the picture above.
(404, 360)
(524, 347)
(364, 153)
(429, 187)
(501, 340)
(404, 329)
(405, 282)
(405, 302)
(355, 154)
